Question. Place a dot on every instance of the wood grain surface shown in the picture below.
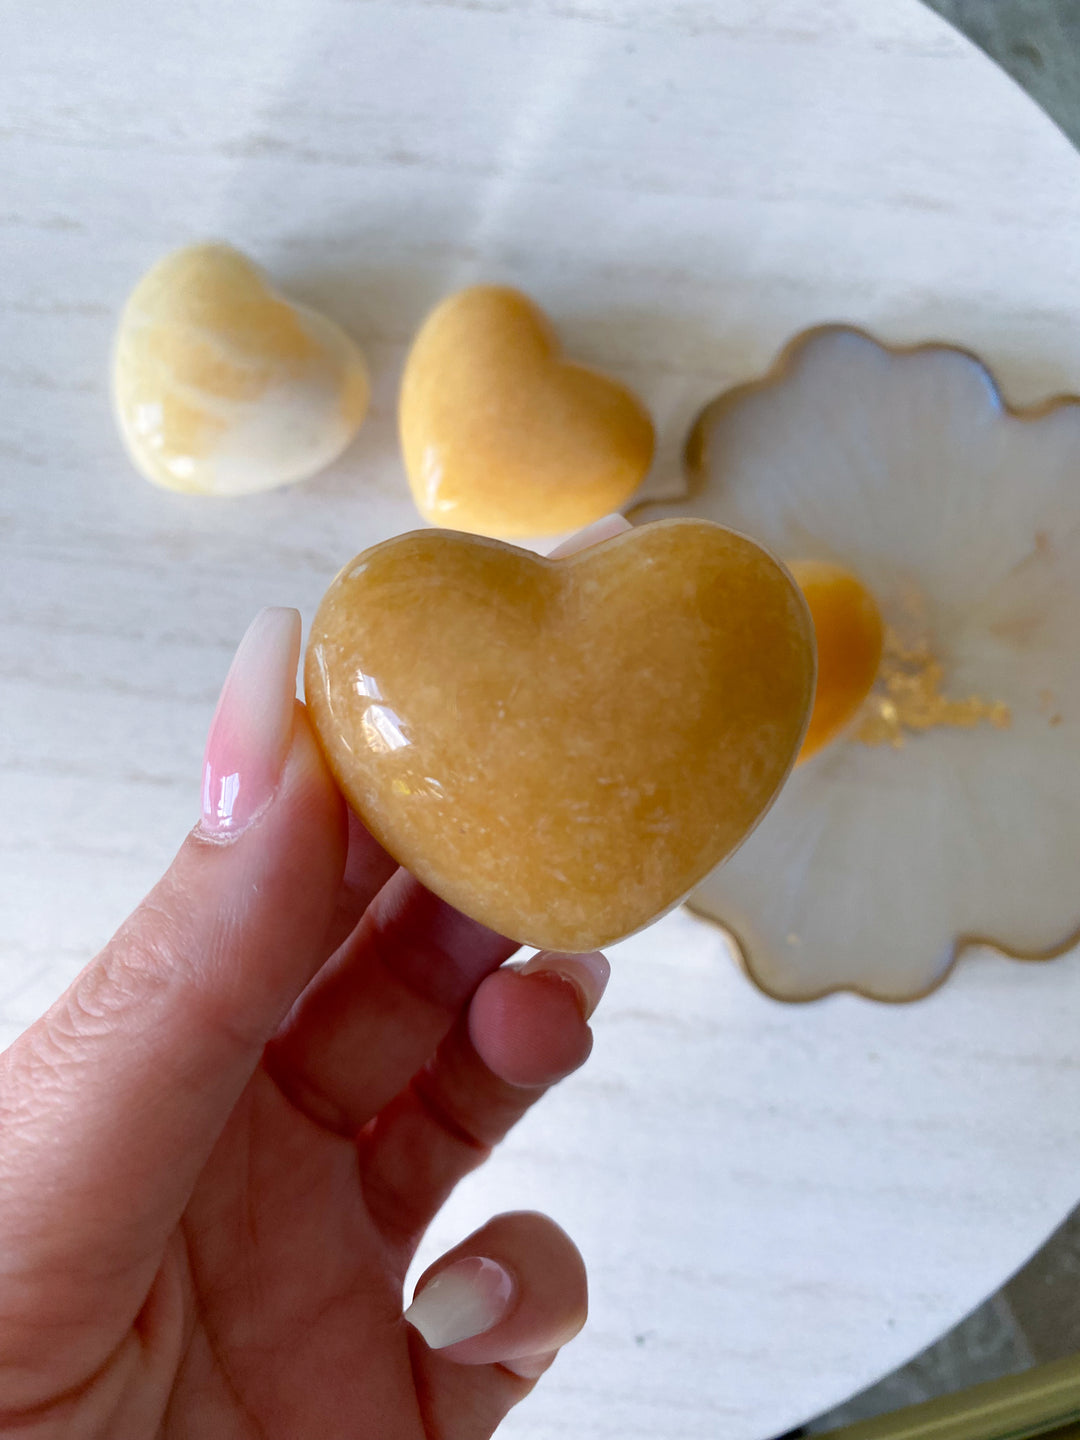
(777, 1205)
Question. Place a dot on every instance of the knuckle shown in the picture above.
(139, 966)
(453, 1121)
(119, 992)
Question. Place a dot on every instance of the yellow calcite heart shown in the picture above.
(222, 387)
(503, 437)
(562, 748)
(850, 635)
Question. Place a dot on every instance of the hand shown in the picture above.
(219, 1149)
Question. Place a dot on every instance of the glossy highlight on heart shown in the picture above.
(562, 748)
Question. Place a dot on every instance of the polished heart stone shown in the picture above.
(222, 387)
(503, 437)
(562, 748)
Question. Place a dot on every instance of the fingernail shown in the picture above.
(463, 1300)
(531, 1367)
(603, 529)
(250, 733)
(588, 974)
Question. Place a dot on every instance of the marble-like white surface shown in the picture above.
(777, 1205)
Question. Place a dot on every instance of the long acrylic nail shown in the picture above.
(252, 726)
(604, 529)
(465, 1299)
(588, 974)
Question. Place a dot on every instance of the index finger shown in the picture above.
(377, 1012)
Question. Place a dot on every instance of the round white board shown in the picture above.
(777, 1205)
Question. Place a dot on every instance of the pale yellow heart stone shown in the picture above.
(562, 748)
(221, 387)
(503, 437)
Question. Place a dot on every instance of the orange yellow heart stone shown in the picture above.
(222, 387)
(503, 437)
(850, 636)
(562, 748)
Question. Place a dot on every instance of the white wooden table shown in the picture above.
(777, 1204)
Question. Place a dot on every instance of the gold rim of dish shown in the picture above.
(958, 948)
(693, 458)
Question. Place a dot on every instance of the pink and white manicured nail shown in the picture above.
(588, 974)
(603, 529)
(465, 1299)
(252, 726)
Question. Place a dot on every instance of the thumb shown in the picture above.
(114, 1099)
